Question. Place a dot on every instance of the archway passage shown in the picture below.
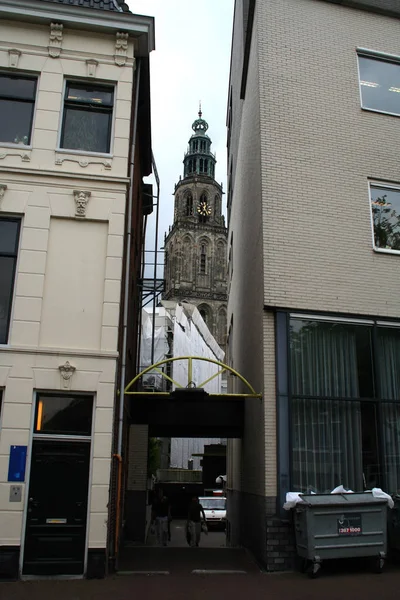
(169, 400)
(188, 410)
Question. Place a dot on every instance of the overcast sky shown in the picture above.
(190, 64)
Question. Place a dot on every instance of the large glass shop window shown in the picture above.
(331, 374)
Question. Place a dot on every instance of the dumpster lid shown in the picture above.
(355, 498)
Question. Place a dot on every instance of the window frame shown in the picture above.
(111, 133)
(378, 399)
(384, 186)
(38, 434)
(378, 56)
(15, 257)
(23, 75)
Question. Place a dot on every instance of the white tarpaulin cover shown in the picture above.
(191, 337)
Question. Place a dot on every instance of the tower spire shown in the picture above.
(200, 113)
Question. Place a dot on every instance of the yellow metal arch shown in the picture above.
(190, 360)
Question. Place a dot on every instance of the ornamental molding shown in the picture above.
(91, 66)
(25, 156)
(121, 48)
(81, 198)
(55, 40)
(13, 58)
(3, 188)
(82, 161)
(66, 372)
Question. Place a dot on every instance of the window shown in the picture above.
(380, 84)
(87, 117)
(9, 236)
(385, 208)
(203, 258)
(66, 415)
(189, 205)
(345, 424)
(17, 103)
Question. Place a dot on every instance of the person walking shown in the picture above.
(195, 513)
(160, 516)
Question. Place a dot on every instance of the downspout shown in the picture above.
(127, 265)
(118, 455)
(155, 254)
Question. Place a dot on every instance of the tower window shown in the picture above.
(189, 205)
(203, 259)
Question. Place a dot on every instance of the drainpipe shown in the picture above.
(127, 265)
(155, 252)
(118, 455)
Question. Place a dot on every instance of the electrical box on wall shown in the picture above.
(15, 493)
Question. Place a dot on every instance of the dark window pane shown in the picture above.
(86, 130)
(391, 446)
(331, 359)
(8, 236)
(102, 96)
(380, 84)
(326, 445)
(67, 415)
(6, 291)
(15, 121)
(17, 87)
(385, 206)
(389, 362)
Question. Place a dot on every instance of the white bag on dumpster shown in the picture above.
(292, 498)
(341, 490)
(378, 493)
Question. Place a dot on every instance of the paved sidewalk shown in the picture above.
(254, 586)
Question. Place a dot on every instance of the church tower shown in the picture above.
(195, 247)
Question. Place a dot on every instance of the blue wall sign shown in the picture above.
(17, 463)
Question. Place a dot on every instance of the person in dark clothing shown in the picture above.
(160, 516)
(195, 513)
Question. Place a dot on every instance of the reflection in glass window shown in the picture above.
(385, 207)
(380, 85)
(9, 237)
(87, 118)
(17, 102)
(65, 415)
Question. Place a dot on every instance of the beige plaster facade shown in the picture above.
(67, 290)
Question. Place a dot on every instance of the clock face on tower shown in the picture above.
(204, 209)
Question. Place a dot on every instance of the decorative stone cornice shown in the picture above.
(3, 188)
(66, 372)
(91, 65)
(121, 48)
(25, 156)
(13, 58)
(81, 198)
(82, 161)
(56, 38)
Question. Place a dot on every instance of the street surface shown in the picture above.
(182, 573)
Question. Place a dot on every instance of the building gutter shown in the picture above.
(82, 18)
(128, 264)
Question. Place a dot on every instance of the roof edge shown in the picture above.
(139, 26)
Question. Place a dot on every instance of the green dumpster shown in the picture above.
(330, 526)
(394, 526)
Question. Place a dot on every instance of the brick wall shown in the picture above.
(318, 151)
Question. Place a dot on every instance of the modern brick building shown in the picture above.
(74, 102)
(313, 241)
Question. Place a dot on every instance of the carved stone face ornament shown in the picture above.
(81, 201)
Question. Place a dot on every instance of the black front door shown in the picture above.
(57, 508)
